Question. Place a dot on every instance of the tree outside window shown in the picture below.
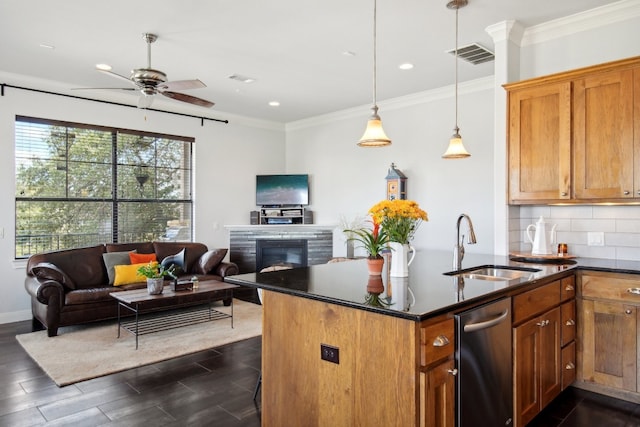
(80, 185)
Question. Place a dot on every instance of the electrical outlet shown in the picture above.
(330, 353)
(595, 238)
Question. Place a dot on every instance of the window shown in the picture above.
(82, 185)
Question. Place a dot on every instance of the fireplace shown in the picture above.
(291, 252)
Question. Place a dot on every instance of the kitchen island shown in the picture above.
(330, 358)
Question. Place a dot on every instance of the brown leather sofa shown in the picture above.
(70, 287)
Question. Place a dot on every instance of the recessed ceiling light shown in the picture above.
(274, 103)
(103, 67)
(405, 66)
(241, 78)
(47, 46)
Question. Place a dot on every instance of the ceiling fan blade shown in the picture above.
(188, 98)
(182, 85)
(103, 88)
(116, 75)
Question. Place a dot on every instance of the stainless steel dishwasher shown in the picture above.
(484, 363)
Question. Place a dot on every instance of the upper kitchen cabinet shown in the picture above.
(540, 142)
(574, 137)
(603, 135)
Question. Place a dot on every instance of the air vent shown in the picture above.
(473, 53)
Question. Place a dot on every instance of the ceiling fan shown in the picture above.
(151, 82)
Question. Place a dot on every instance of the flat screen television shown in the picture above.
(282, 190)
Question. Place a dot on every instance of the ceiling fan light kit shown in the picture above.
(456, 149)
(150, 82)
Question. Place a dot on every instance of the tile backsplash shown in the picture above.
(620, 226)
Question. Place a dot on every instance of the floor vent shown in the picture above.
(473, 53)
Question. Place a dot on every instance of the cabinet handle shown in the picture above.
(626, 193)
(563, 194)
(570, 366)
(628, 311)
(570, 322)
(543, 323)
(635, 291)
(440, 341)
(453, 372)
(569, 288)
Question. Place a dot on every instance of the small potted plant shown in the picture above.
(374, 241)
(155, 275)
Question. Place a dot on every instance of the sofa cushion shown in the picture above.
(140, 247)
(48, 271)
(193, 252)
(127, 274)
(210, 260)
(115, 258)
(137, 258)
(175, 260)
(84, 266)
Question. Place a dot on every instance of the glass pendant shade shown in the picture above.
(374, 135)
(456, 149)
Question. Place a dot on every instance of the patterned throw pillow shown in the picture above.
(177, 260)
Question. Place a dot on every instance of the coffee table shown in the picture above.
(165, 307)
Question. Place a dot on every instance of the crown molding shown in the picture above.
(594, 18)
(418, 98)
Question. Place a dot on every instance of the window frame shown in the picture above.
(184, 172)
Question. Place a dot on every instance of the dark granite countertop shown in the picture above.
(427, 292)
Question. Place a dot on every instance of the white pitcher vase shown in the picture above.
(400, 259)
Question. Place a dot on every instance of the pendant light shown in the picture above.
(456, 149)
(374, 135)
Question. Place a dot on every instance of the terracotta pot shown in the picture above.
(375, 285)
(375, 265)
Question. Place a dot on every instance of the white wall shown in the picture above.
(227, 158)
(347, 180)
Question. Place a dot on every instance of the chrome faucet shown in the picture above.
(458, 249)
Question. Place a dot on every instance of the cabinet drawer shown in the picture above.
(612, 287)
(568, 365)
(437, 341)
(568, 288)
(536, 301)
(568, 322)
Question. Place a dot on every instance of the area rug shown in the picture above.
(80, 353)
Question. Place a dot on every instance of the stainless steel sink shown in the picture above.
(494, 272)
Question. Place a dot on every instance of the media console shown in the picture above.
(284, 215)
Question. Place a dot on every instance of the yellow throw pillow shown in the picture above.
(126, 274)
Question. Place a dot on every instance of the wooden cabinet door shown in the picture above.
(603, 136)
(437, 395)
(550, 357)
(526, 348)
(537, 358)
(609, 341)
(540, 143)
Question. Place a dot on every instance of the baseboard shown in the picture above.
(629, 396)
(15, 316)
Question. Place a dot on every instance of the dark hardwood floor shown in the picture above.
(210, 388)
(213, 387)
